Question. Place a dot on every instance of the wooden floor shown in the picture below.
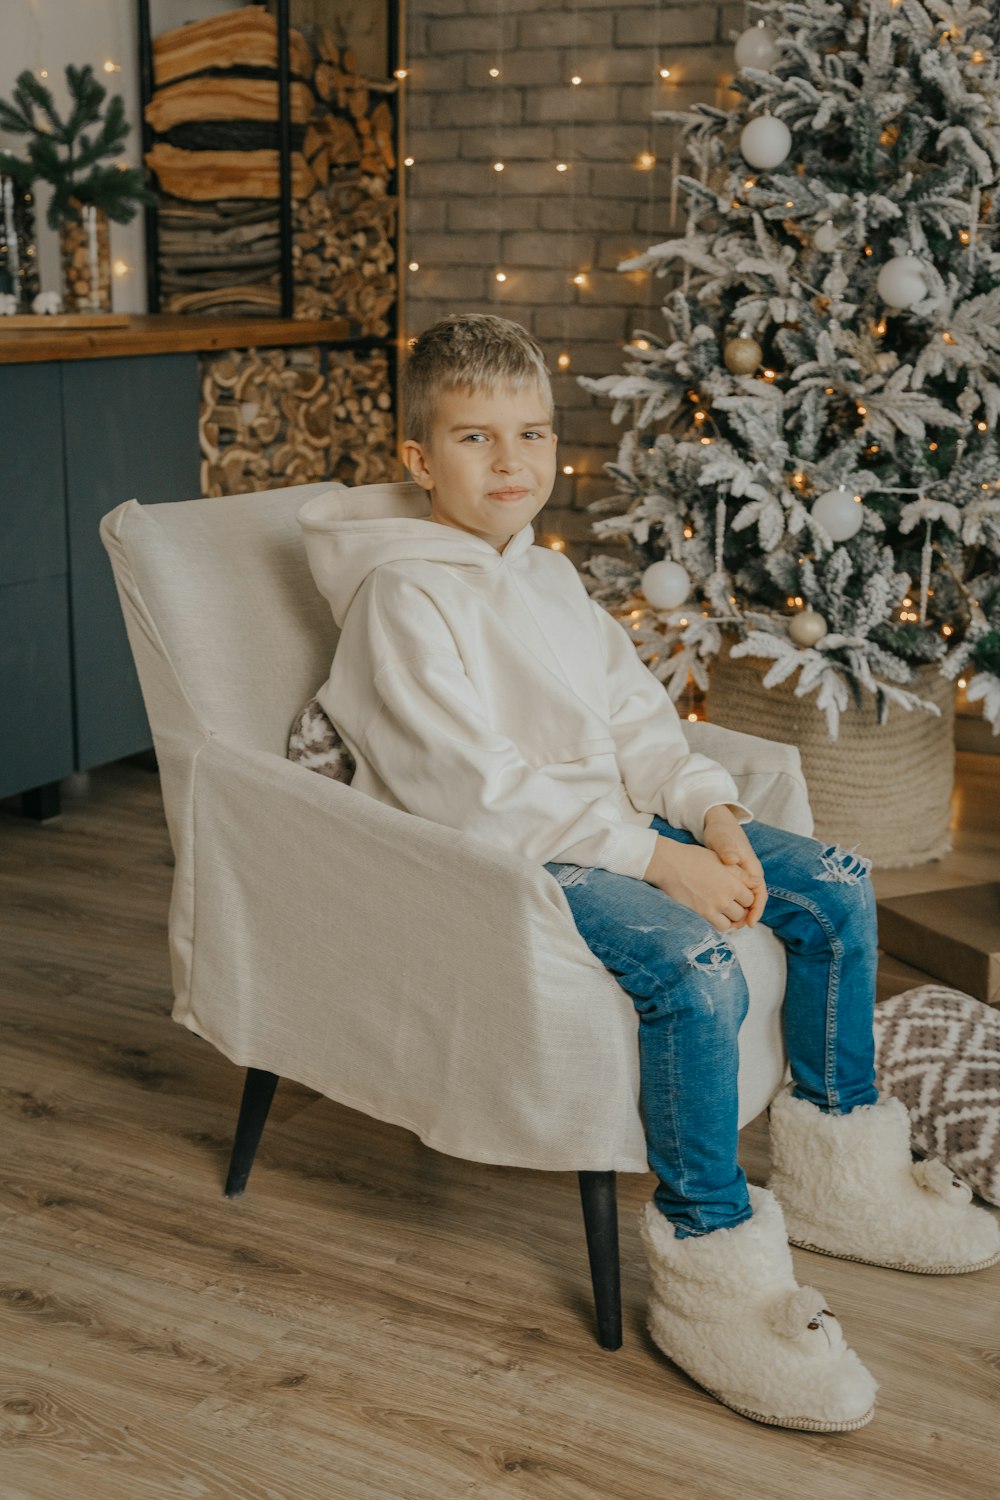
(373, 1321)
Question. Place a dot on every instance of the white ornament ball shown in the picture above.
(666, 584)
(901, 281)
(757, 48)
(827, 238)
(807, 627)
(47, 303)
(8, 304)
(765, 141)
(839, 514)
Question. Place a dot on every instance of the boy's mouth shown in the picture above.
(508, 494)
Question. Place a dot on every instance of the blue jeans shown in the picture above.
(688, 988)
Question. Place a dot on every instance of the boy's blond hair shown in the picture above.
(470, 352)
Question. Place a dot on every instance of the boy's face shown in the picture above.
(490, 463)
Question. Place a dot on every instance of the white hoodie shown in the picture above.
(487, 691)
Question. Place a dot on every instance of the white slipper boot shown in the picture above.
(849, 1187)
(727, 1309)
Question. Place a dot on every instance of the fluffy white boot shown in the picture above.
(849, 1187)
(727, 1309)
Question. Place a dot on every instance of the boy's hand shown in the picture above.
(724, 835)
(696, 878)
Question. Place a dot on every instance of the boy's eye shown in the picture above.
(474, 437)
(533, 434)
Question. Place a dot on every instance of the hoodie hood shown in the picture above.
(350, 532)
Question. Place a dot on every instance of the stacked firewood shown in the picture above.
(217, 164)
(274, 417)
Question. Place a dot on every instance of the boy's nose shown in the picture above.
(506, 460)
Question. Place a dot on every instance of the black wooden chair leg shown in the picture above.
(598, 1194)
(258, 1091)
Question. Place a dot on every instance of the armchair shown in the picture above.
(404, 969)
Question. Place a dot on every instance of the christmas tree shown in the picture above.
(813, 471)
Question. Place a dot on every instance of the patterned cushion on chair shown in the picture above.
(315, 744)
(939, 1052)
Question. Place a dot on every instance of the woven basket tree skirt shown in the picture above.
(882, 789)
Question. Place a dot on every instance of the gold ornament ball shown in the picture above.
(742, 356)
(807, 627)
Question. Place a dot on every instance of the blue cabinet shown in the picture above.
(76, 438)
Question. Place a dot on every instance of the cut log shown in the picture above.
(246, 37)
(202, 176)
(218, 98)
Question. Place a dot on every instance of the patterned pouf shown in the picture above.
(939, 1052)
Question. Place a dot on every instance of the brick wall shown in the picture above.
(542, 227)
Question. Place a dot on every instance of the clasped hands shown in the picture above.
(720, 878)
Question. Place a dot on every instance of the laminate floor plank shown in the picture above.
(373, 1320)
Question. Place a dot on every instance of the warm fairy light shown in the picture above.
(907, 602)
(749, 182)
(949, 338)
(414, 265)
(664, 72)
(401, 73)
(982, 427)
(494, 72)
(555, 544)
(688, 532)
(946, 630)
(873, 449)
(498, 166)
(789, 203)
(770, 374)
(692, 718)
(407, 161)
(798, 479)
(682, 621)
(568, 469)
(43, 72)
(862, 411)
(828, 390)
(562, 166)
(641, 344)
(700, 416)
(121, 267)
(576, 80)
(964, 236)
(563, 361)
(645, 161)
(881, 327)
(868, 250)
(500, 276)
(961, 682)
(706, 441)
(112, 67)
(977, 56)
(579, 279)
(933, 447)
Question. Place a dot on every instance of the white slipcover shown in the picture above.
(404, 969)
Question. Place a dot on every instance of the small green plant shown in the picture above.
(72, 154)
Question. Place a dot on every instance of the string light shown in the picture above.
(121, 267)
(700, 416)
(407, 161)
(498, 166)
(933, 447)
(568, 469)
(414, 265)
(500, 276)
(576, 80)
(562, 166)
(949, 338)
(770, 374)
(977, 56)
(862, 411)
(664, 72)
(964, 236)
(689, 532)
(982, 427)
(961, 682)
(401, 73)
(43, 72)
(494, 72)
(112, 67)
(946, 630)
(563, 361)
(555, 544)
(580, 279)
(645, 161)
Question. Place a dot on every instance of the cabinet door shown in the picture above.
(36, 714)
(36, 704)
(131, 432)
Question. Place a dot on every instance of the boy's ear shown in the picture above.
(416, 461)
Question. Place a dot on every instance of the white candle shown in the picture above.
(90, 219)
(13, 260)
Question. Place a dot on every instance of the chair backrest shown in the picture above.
(223, 614)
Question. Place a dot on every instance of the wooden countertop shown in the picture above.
(162, 334)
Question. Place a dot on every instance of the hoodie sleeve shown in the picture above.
(433, 747)
(661, 774)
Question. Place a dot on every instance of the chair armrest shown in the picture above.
(768, 773)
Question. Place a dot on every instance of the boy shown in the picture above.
(477, 684)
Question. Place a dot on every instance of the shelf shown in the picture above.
(162, 333)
